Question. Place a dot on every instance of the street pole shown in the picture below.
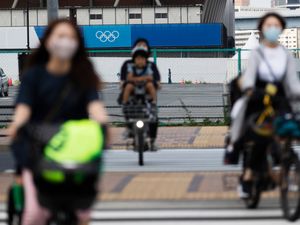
(27, 23)
(52, 7)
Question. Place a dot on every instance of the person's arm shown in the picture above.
(147, 78)
(248, 79)
(97, 112)
(291, 82)
(24, 103)
(21, 117)
(132, 78)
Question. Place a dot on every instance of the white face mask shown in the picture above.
(62, 48)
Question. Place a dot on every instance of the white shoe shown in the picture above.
(241, 193)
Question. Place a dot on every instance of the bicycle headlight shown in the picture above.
(140, 124)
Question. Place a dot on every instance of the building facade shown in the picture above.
(290, 37)
(107, 16)
(286, 3)
(276, 3)
(242, 2)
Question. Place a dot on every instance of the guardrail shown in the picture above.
(167, 113)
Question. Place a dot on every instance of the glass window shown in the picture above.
(161, 15)
(135, 16)
(95, 16)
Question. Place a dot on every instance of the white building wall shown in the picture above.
(64, 13)
(42, 17)
(122, 16)
(83, 16)
(17, 17)
(184, 15)
(174, 15)
(193, 69)
(33, 18)
(109, 16)
(148, 15)
(194, 15)
(5, 18)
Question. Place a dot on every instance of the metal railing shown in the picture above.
(188, 114)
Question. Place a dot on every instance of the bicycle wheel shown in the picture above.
(140, 145)
(290, 189)
(254, 199)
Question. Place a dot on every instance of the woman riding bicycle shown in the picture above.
(60, 63)
(269, 64)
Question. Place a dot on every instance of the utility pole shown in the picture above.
(52, 7)
(27, 24)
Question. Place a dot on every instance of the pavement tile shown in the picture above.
(161, 186)
(169, 137)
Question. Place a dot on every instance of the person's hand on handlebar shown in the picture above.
(249, 92)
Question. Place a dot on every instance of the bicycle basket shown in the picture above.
(287, 126)
(70, 164)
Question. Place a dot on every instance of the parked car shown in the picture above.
(3, 84)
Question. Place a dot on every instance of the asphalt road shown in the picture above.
(180, 213)
(184, 160)
(170, 95)
(168, 160)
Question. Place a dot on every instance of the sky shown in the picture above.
(261, 3)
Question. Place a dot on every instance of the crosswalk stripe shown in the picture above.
(225, 214)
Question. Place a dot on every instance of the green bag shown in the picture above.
(77, 142)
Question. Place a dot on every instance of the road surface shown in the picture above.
(172, 211)
(170, 95)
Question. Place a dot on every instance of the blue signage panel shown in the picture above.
(179, 35)
(101, 36)
(159, 35)
(107, 36)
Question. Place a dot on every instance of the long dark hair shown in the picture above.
(82, 71)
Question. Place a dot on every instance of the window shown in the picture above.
(161, 15)
(135, 16)
(95, 16)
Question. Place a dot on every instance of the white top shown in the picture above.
(277, 59)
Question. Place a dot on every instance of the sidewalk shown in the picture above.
(182, 186)
(168, 137)
(180, 137)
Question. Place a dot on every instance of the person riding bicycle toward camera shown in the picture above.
(140, 70)
(58, 71)
(271, 67)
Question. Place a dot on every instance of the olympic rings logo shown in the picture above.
(107, 36)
